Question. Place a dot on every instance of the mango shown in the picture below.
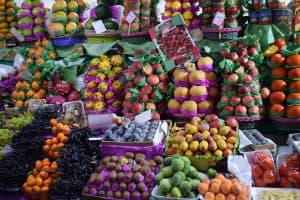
(194, 146)
(203, 146)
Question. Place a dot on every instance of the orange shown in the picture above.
(37, 75)
(60, 145)
(66, 129)
(19, 103)
(29, 60)
(60, 136)
(21, 94)
(36, 188)
(54, 166)
(52, 55)
(35, 172)
(46, 168)
(23, 68)
(44, 175)
(54, 147)
(54, 130)
(19, 85)
(45, 189)
(38, 164)
(44, 42)
(25, 85)
(35, 86)
(14, 94)
(47, 182)
(30, 93)
(46, 148)
(56, 154)
(54, 141)
(64, 139)
(42, 92)
(53, 122)
(60, 126)
(28, 189)
(48, 142)
(30, 180)
(37, 96)
(26, 103)
(40, 61)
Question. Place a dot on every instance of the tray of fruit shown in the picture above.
(206, 141)
(258, 141)
(275, 193)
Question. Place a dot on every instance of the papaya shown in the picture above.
(73, 17)
(59, 17)
(59, 5)
(3, 25)
(72, 6)
(56, 29)
(71, 28)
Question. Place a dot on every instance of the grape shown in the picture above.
(5, 137)
(19, 122)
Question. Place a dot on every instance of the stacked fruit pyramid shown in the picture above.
(31, 20)
(7, 18)
(65, 18)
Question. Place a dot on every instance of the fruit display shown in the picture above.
(60, 91)
(241, 95)
(210, 136)
(17, 123)
(195, 90)
(31, 20)
(41, 178)
(178, 178)
(263, 168)
(126, 177)
(103, 87)
(231, 10)
(66, 17)
(5, 137)
(223, 188)
(134, 132)
(289, 171)
(144, 11)
(147, 87)
(8, 18)
(285, 85)
(6, 88)
(53, 146)
(188, 9)
(74, 164)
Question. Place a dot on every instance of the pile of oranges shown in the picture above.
(24, 91)
(53, 146)
(41, 177)
(221, 188)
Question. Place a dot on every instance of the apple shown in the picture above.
(130, 84)
(243, 90)
(207, 10)
(151, 106)
(211, 117)
(232, 133)
(233, 78)
(249, 65)
(128, 95)
(252, 51)
(240, 110)
(136, 107)
(247, 79)
(218, 9)
(229, 109)
(227, 152)
(232, 122)
(163, 77)
(163, 86)
(232, 10)
(265, 92)
(240, 70)
(195, 120)
(136, 65)
(224, 53)
(216, 124)
(242, 60)
(153, 79)
(155, 116)
(233, 56)
(233, 43)
(126, 105)
(147, 89)
(157, 67)
(143, 98)
(242, 52)
(235, 100)
(254, 73)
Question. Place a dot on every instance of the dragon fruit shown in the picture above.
(63, 88)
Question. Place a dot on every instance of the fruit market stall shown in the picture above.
(149, 100)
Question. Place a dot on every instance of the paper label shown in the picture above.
(143, 117)
(219, 18)
(130, 17)
(35, 104)
(18, 61)
(17, 34)
(99, 26)
(48, 16)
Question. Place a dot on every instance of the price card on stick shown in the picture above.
(130, 18)
(143, 117)
(219, 18)
(99, 26)
(17, 34)
(18, 61)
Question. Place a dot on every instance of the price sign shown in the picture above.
(219, 18)
(143, 117)
(130, 17)
(99, 26)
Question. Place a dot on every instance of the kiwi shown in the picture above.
(158, 159)
(106, 160)
(123, 186)
(111, 165)
(119, 168)
(99, 179)
(126, 195)
(137, 177)
(106, 185)
(118, 195)
(101, 193)
(144, 170)
(136, 168)
(141, 187)
(131, 187)
(129, 155)
(113, 176)
(120, 176)
(136, 195)
(152, 163)
(140, 155)
(146, 195)
(114, 159)
(86, 190)
(110, 194)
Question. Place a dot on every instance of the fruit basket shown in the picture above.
(286, 124)
(247, 123)
(67, 40)
(36, 196)
(108, 36)
(221, 34)
(203, 162)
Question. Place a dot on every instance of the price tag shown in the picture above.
(130, 17)
(48, 16)
(18, 61)
(99, 26)
(219, 18)
(143, 117)
(17, 34)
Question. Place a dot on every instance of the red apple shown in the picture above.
(233, 56)
(240, 70)
(233, 10)
(224, 53)
(163, 77)
(233, 78)
(147, 89)
(150, 106)
(211, 117)
(163, 86)
(155, 116)
(232, 122)
(235, 100)
(249, 65)
(242, 52)
(136, 65)
(218, 9)
(130, 84)
(247, 79)
(242, 60)
(265, 92)
(136, 107)
(153, 79)
(157, 67)
(143, 98)
(252, 51)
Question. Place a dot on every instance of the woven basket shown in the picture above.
(68, 40)
(136, 37)
(247, 123)
(286, 124)
(109, 36)
(221, 34)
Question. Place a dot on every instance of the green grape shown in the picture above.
(5, 137)
(19, 122)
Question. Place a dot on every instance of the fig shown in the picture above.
(119, 168)
(86, 190)
(120, 176)
(145, 163)
(99, 179)
(140, 155)
(99, 168)
(138, 177)
(136, 168)
(141, 187)
(106, 185)
(136, 195)
(131, 187)
(146, 195)
(145, 169)
(152, 163)
(110, 194)
(128, 176)
(93, 192)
